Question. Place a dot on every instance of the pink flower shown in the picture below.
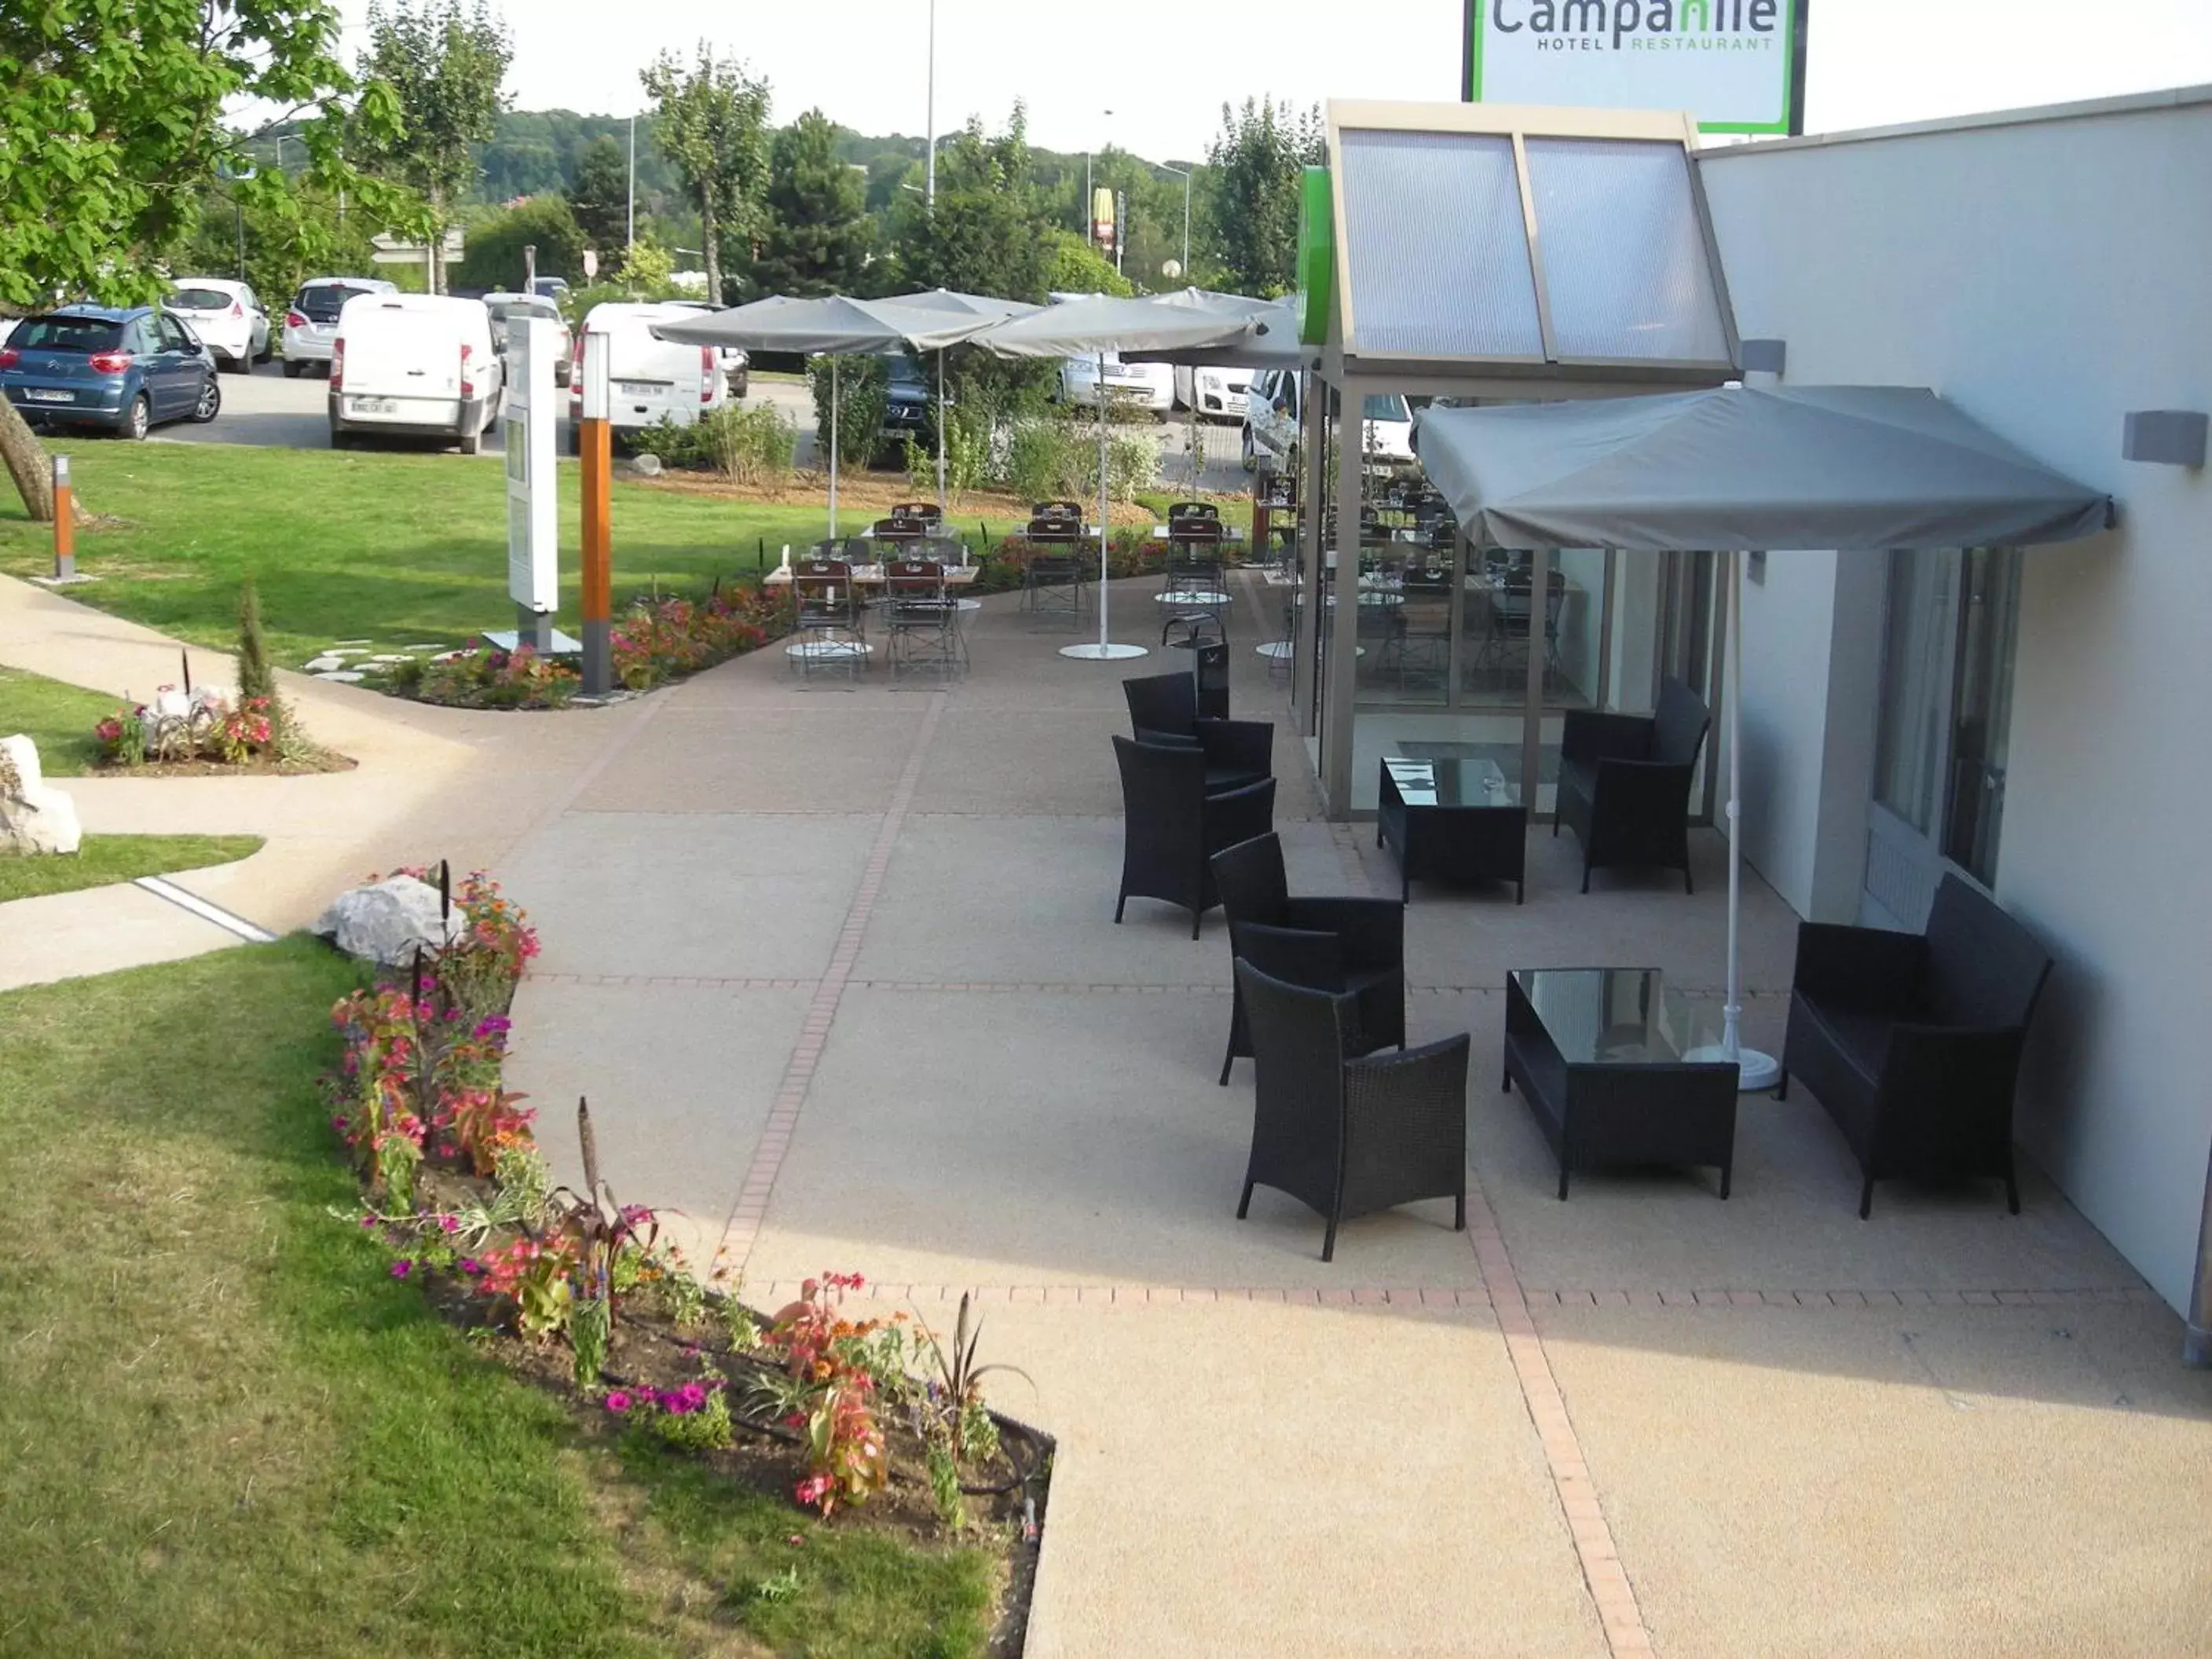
(619, 1400)
(693, 1396)
(470, 1266)
(812, 1490)
(451, 1224)
(400, 1269)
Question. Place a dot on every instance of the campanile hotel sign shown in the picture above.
(1737, 65)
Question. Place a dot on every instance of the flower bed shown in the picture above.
(659, 640)
(582, 1293)
(201, 730)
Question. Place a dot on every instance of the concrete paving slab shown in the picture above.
(677, 894)
(1954, 1482)
(1021, 1139)
(694, 759)
(1328, 1520)
(1030, 900)
(679, 1077)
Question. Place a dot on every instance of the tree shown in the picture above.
(599, 198)
(1078, 268)
(110, 130)
(493, 258)
(444, 66)
(711, 120)
(1252, 193)
(818, 236)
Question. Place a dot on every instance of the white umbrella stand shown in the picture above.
(1756, 1072)
(1104, 650)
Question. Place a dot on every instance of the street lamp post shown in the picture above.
(629, 228)
(930, 190)
(1169, 166)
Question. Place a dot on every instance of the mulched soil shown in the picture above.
(208, 768)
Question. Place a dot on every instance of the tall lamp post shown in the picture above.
(929, 191)
(629, 227)
(1169, 166)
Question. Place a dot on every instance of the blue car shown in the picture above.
(124, 369)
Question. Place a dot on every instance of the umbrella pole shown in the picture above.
(1756, 1071)
(1105, 537)
(940, 435)
(833, 448)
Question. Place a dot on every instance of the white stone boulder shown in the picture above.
(384, 922)
(33, 818)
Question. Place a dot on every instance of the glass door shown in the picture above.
(1948, 630)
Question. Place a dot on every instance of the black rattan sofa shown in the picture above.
(1625, 782)
(1912, 1041)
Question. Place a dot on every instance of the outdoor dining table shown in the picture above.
(873, 575)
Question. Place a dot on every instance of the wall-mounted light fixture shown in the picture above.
(1765, 357)
(2168, 437)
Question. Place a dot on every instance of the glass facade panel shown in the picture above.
(1919, 634)
(1981, 712)
(1437, 250)
(1625, 259)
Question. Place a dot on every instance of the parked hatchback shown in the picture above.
(228, 316)
(311, 324)
(126, 370)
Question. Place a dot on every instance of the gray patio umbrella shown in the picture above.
(833, 324)
(967, 305)
(1271, 341)
(1851, 469)
(1093, 326)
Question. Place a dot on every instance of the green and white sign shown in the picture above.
(1736, 65)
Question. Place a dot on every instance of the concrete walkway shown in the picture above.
(836, 968)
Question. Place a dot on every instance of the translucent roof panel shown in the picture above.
(1625, 266)
(1437, 250)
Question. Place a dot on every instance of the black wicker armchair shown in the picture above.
(1163, 710)
(1355, 945)
(1625, 783)
(1173, 823)
(1912, 1043)
(1348, 1135)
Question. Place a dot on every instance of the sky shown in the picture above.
(1163, 68)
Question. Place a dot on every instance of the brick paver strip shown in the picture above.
(741, 1232)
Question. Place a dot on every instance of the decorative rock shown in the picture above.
(342, 675)
(646, 466)
(385, 922)
(353, 641)
(33, 818)
(348, 651)
(323, 664)
(427, 644)
(400, 657)
(449, 656)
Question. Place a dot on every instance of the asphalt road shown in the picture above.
(266, 409)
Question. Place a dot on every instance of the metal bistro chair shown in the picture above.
(927, 512)
(1196, 582)
(1057, 510)
(897, 531)
(831, 628)
(1055, 584)
(923, 625)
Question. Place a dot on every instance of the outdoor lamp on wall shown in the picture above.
(1765, 357)
(2169, 437)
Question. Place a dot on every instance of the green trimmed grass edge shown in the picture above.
(101, 860)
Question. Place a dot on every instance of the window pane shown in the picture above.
(1624, 256)
(1437, 251)
(1918, 637)
(1982, 714)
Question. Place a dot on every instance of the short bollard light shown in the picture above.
(64, 523)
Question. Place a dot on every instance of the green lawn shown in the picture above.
(104, 858)
(397, 549)
(227, 1430)
(58, 718)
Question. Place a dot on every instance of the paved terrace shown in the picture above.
(836, 968)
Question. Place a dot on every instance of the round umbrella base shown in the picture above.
(1756, 1073)
(1103, 653)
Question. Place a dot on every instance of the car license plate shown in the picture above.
(372, 406)
(47, 394)
(640, 388)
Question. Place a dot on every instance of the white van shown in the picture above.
(414, 366)
(648, 379)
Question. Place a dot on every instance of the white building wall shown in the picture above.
(2047, 275)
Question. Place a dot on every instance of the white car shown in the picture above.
(414, 366)
(230, 321)
(649, 380)
(1270, 425)
(310, 321)
(1139, 386)
(504, 306)
(737, 361)
(1218, 391)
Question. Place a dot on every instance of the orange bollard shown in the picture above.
(64, 523)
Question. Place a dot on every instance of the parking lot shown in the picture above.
(265, 408)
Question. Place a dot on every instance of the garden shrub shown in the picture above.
(863, 395)
(750, 445)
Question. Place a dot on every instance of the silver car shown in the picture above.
(503, 305)
(311, 323)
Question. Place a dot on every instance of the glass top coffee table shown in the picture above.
(1452, 820)
(1618, 1068)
